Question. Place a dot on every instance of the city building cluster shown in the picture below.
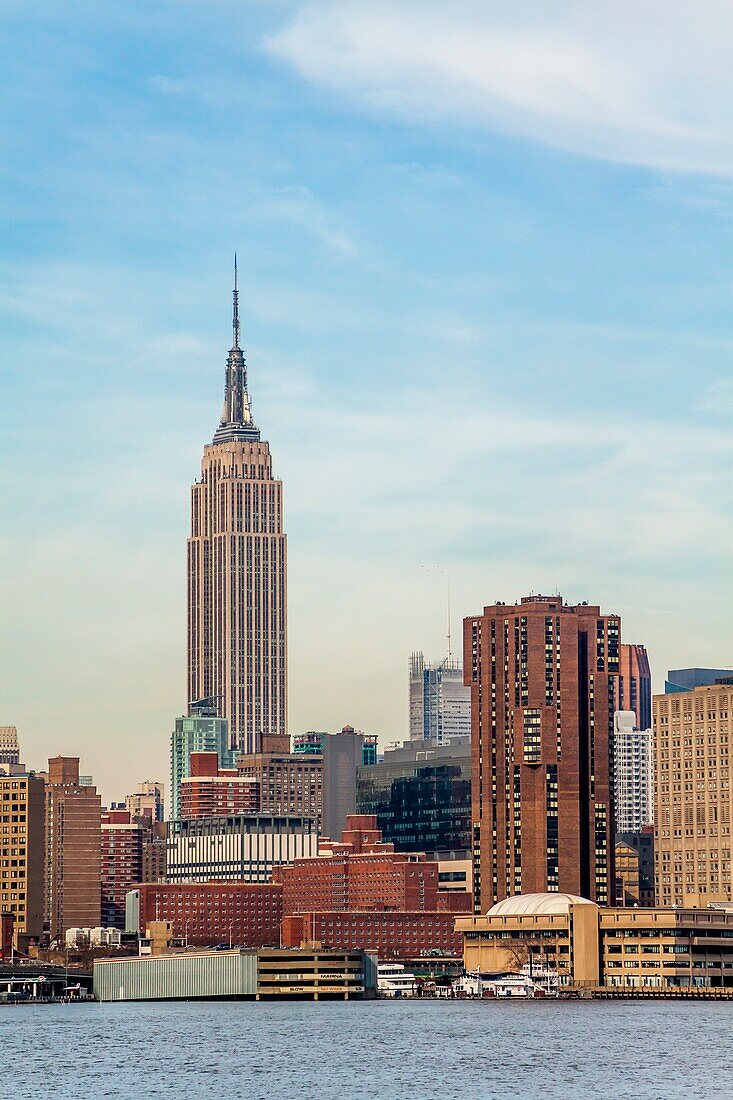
(548, 819)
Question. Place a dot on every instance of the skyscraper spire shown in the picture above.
(236, 416)
(235, 314)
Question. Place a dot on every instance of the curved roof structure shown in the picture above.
(529, 905)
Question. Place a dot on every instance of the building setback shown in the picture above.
(198, 731)
(73, 849)
(237, 621)
(204, 914)
(211, 791)
(22, 854)
(542, 676)
(693, 731)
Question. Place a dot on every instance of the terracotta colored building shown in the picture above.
(291, 784)
(634, 685)
(22, 854)
(543, 679)
(122, 863)
(360, 872)
(386, 934)
(211, 791)
(204, 914)
(73, 849)
(237, 580)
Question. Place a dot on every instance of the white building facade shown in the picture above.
(633, 773)
(440, 703)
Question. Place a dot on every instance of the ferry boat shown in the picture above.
(394, 981)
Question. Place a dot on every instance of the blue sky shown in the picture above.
(485, 257)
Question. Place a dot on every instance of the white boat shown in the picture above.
(394, 981)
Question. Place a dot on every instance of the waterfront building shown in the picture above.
(7, 934)
(237, 622)
(341, 754)
(634, 684)
(633, 773)
(122, 862)
(22, 854)
(361, 872)
(440, 702)
(391, 935)
(73, 849)
(243, 847)
(590, 945)
(146, 801)
(9, 747)
(303, 973)
(245, 914)
(290, 783)
(687, 679)
(201, 730)
(420, 794)
(211, 791)
(542, 676)
(693, 734)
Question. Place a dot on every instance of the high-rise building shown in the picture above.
(122, 862)
(693, 734)
(635, 867)
(198, 731)
(22, 854)
(341, 753)
(440, 702)
(9, 748)
(634, 684)
(237, 623)
(686, 679)
(73, 849)
(290, 783)
(542, 676)
(420, 794)
(633, 774)
(146, 801)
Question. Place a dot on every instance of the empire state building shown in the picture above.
(237, 570)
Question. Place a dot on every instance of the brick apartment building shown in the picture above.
(204, 914)
(400, 936)
(543, 686)
(122, 862)
(73, 848)
(211, 791)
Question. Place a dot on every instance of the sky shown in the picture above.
(486, 270)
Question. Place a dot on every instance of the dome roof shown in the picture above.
(529, 905)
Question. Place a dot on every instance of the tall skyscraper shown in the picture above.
(633, 774)
(440, 703)
(237, 587)
(693, 740)
(542, 676)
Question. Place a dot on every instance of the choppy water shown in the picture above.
(430, 1050)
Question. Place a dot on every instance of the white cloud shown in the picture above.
(647, 82)
(299, 206)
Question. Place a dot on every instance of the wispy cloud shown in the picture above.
(299, 206)
(647, 82)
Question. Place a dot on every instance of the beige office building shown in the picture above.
(694, 795)
(237, 568)
(22, 853)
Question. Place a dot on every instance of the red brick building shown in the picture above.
(122, 863)
(203, 914)
(543, 686)
(388, 935)
(634, 691)
(211, 791)
(359, 872)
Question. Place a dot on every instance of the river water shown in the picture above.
(399, 1050)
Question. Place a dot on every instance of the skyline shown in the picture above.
(475, 341)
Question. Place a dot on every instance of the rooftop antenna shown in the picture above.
(235, 312)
